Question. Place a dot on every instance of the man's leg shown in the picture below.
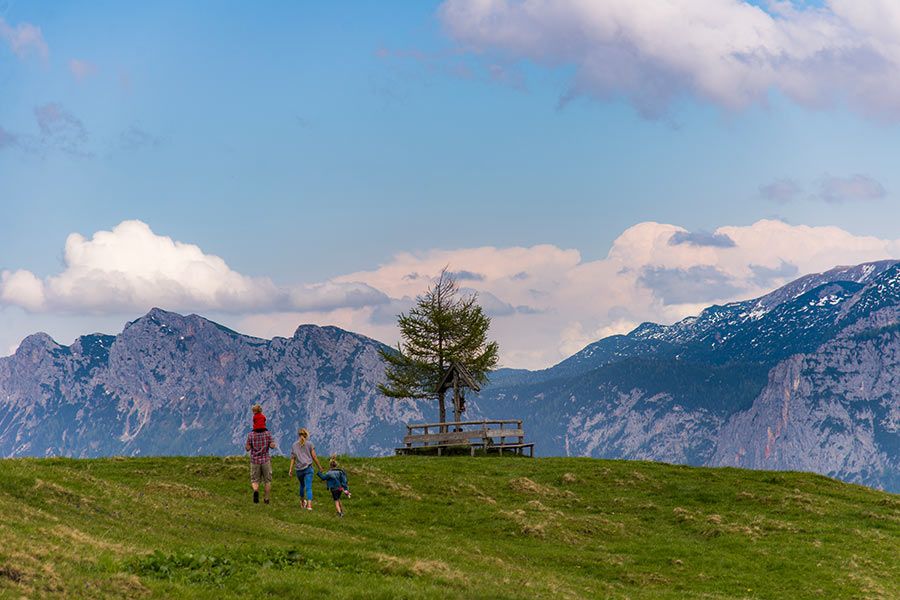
(254, 482)
(266, 472)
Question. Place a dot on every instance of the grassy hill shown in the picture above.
(428, 527)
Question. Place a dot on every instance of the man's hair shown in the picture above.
(257, 408)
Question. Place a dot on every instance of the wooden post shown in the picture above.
(456, 413)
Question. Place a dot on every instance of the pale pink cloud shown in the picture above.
(81, 69)
(24, 39)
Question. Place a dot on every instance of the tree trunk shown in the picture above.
(443, 412)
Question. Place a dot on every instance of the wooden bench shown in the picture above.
(486, 435)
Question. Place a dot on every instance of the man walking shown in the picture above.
(258, 444)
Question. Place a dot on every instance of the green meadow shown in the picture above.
(441, 527)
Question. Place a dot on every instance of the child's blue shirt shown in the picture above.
(335, 479)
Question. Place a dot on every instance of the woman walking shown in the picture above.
(303, 456)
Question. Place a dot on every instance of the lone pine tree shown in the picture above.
(444, 326)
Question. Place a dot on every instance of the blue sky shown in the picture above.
(304, 141)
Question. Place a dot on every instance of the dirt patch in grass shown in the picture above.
(119, 585)
(536, 505)
(568, 479)
(405, 567)
(526, 525)
(34, 572)
(11, 573)
(714, 525)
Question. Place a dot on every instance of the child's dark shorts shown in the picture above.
(336, 494)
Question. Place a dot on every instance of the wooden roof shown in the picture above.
(465, 378)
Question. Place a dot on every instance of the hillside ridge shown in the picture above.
(420, 527)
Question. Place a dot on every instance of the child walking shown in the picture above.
(336, 481)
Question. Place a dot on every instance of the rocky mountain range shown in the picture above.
(170, 384)
(803, 378)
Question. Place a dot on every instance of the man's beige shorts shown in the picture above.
(261, 473)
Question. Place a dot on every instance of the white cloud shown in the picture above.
(133, 269)
(728, 52)
(24, 39)
(547, 302)
(23, 289)
(572, 302)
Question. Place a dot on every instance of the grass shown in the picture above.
(451, 527)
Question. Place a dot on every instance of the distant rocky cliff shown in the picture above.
(170, 384)
(803, 378)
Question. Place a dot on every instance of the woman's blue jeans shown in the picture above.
(305, 476)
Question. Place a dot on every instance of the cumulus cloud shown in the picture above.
(856, 188)
(562, 302)
(24, 39)
(728, 52)
(131, 269)
(22, 288)
(546, 302)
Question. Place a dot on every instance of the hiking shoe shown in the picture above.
(266, 500)
(255, 497)
(340, 515)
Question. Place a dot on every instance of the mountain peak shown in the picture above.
(37, 342)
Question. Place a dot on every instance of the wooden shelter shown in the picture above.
(457, 378)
